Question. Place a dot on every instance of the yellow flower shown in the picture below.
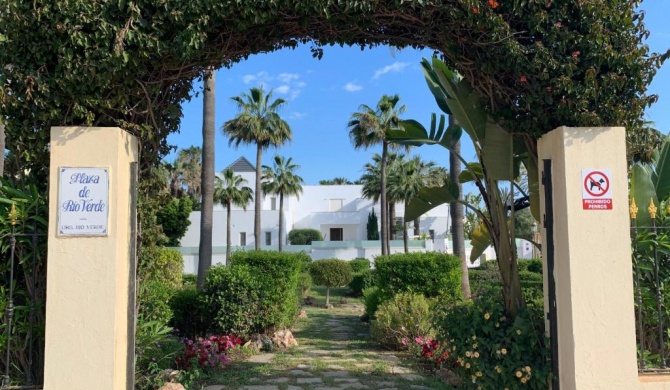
(474, 346)
(498, 352)
(524, 380)
(497, 325)
(518, 332)
(467, 365)
(503, 351)
(487, 316)
(519, 374)
(474, 337)
(474, 378)
(527, 368)
(479, 373)
(468, 354)
(498, 369)
(453, 348)
(476, 355)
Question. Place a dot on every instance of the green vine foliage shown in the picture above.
(131, 63)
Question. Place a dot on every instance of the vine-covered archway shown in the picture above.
(536, 64)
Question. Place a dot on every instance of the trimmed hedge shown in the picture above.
(257, 293)
(360, 281)
(359, 265)
(189, 313)
(164, 265)
(431, 274)
(330, 273)
(304, 284)
(304, 236)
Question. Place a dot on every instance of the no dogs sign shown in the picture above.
(596, 189)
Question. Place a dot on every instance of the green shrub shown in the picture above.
(330, 273)
(304, 236)
(154, 297)
(304, 283)
(530, 265)
(189, 313)
(491, 351)
(360, 281)
(372, 298)
(189, 280)
(403, 318)
(359, 265)
(232, 299)
(431, 274)
(257, 293)
(163, 265)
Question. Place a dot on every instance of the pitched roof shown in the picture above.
(242, 165)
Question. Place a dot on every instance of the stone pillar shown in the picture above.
(593, 268)
(91, 261)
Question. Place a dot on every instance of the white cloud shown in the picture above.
(288, 77)
(394, 67)
(284, 89)
(296, 115)
(352, 87)
(291, 86)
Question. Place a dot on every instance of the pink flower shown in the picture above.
(418, 340)
(558, 24)
(523, 79)
(404, 341)
(576, 53)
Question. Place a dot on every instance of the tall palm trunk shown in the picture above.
(207, 179)
(405, 239)
(257, 198)
(391, 223)
(228, 240)
(457, 214)
(2, 147)
(281, 220)
(383, 203)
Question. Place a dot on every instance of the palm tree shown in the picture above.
(257, 123)
(367, 128)
(189, 164)
(335, 181)
(207, 179)
(280, 179)
(456, 212)
(231, 190)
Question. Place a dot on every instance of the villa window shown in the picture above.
(268, 238)
(335, 204)
(243, 238)
(273, 203)
(336, 234)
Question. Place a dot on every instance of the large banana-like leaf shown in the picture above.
(430, 197)
(497, 153)
(642, 190)
(480, 240)
(415, 134)
(460, 98)
(471, 171)
(662, 176)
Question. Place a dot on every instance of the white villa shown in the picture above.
(339, 212)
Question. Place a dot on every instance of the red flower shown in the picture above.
(494, 4)
(475, 10)
(558, 24)
(523, 79)
(576, 53)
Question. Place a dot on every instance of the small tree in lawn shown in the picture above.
(330, 273)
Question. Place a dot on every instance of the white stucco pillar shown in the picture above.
(91, 260)
(593, 268)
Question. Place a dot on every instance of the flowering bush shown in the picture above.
(432, 350)
(206, 352)
(489, 350)
(405, 316)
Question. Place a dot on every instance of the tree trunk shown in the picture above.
(228, 219)
(383, 203)
(457, 214)
(391, 223)
(257, 199)
(405, 239)
(281, 219)
(2, 147)
(207, 178)
(327, 295)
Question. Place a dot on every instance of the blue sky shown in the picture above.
(322, 95)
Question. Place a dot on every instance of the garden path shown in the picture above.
(334, 352)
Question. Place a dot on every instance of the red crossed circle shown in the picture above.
(594, 187)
